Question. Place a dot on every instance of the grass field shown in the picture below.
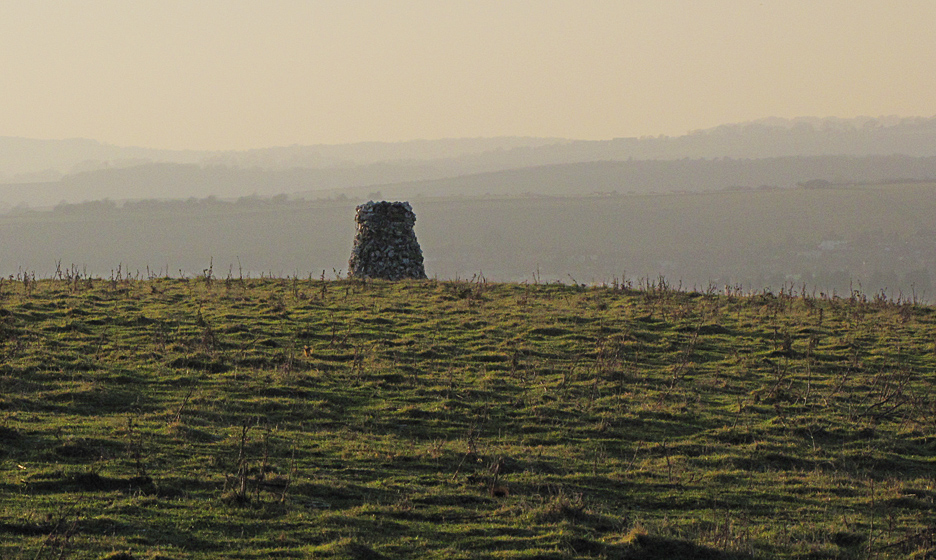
(291, 418)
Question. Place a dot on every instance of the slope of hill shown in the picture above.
(428, 178)
(662, 176)
(294, 418)
(26, 159)
(79, 162)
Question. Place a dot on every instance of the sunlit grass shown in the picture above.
(210, 418)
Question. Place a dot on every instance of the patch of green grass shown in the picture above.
(199, 418)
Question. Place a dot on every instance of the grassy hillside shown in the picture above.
(287, 418)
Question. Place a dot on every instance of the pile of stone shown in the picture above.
(385, 245)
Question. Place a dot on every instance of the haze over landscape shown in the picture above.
(598, 124)
(675, 296)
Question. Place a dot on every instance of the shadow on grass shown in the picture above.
(648, 547)
(88, 481)
(347, 549)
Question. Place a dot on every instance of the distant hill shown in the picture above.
(29, 160)
(662, 176)
(32, 160)
(405, 180)
(769, 152)
(770, 137)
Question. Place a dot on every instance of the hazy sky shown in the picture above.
(234, 74)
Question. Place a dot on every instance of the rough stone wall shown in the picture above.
(385, 245)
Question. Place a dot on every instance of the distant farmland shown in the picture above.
(867, 238)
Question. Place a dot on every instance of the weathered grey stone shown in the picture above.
(385, 245)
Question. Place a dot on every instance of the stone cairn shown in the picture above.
(385, 245)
